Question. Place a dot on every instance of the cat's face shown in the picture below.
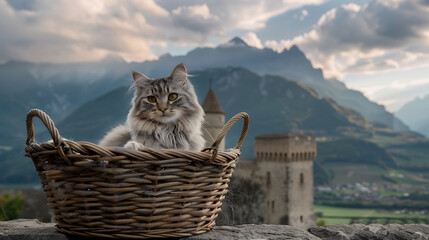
(164, 100)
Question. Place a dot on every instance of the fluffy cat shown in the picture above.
(165, 114)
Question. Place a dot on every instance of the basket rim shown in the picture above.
(94, 152)
(69, 149)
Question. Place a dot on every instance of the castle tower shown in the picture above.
(214, 119)
(285, 169)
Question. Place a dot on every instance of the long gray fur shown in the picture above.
(164, 124)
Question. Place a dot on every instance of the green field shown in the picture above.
(352, 173)
(347, 213)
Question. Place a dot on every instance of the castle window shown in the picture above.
(301, 218)
(301, 178)
(285, 220)
(272, 206)
(268, 179)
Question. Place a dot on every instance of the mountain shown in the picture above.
(92, 120)
(291, 63)
(354, 151)
(275, 104)
(416, 115)
(60, 89)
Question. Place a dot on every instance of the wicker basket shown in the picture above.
(120, 193)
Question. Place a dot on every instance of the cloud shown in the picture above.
(244, 14)
(70, 31)
(304, 14)
(193, 24)
(73, 31)
(395, 93)
(196, 11)
(252, 40)
(379, 36)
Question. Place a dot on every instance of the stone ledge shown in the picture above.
(372, 231)
(28, 229)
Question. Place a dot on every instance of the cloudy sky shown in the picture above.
(380, 47)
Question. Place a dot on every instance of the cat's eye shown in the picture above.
(151, 99)
(172, 96)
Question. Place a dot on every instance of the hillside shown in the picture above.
(275, 104)
(416, 115)
(93, 119)
(291, 63)
(60, 89)
(353, 151)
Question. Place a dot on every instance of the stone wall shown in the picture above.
(300, 196)
(285, 147)
(283, 168)
(24, 229)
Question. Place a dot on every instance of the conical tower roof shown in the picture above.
(211, 104)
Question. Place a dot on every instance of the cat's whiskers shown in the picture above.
(176, 124)
(185, 122)
(208, 132)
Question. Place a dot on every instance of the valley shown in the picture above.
(358, 140)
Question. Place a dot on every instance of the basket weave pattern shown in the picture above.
(115, 192)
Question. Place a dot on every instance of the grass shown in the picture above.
(347, 213)
(352, 173)
(384, 141)
(403, 150)
(390, 193)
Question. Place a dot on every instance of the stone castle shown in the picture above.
(283, 168)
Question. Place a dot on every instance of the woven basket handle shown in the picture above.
(58, 141)
(228, 125)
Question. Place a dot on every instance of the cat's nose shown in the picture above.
(162, 109)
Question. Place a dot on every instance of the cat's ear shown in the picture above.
(139, 77)
(179, 73)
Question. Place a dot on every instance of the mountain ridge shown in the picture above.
(414, 113)
(320, 116)
(275, 105)
(62, 88)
